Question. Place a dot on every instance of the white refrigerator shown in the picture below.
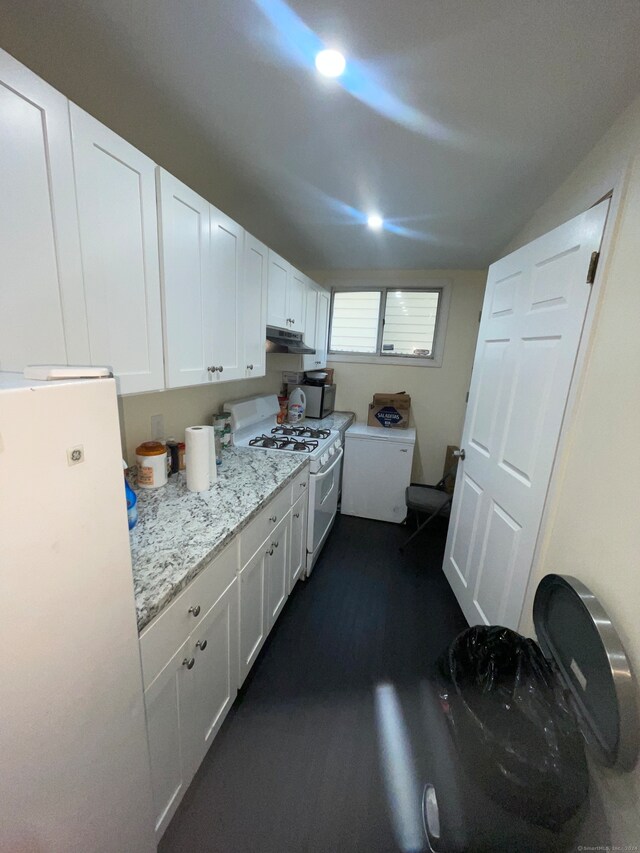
(73, 745)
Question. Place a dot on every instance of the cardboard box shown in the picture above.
(390, 411)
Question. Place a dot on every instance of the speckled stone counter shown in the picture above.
(337, 420)
(179, 531)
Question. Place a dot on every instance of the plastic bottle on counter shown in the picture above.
(297, 406)
(132, 501)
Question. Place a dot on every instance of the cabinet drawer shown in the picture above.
(300, 485)
(161, 638)
(260, 528)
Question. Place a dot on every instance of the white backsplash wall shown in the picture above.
(183, 407)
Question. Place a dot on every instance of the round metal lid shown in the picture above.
(574, 630)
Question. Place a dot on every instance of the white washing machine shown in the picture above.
(377, 470)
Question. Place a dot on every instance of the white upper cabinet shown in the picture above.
(297, 299)
(42, 312)
(227, 321)
(186, 282)
(316, 328)
(256, 264)
(279, 278)
(322, 328)
(115, 186)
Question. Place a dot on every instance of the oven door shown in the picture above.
(323, 505)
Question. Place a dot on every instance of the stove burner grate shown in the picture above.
(302, 432)
(284, 442)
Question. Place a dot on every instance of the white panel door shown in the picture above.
(214, 648)
(186, 282)
(253, 608)
(298, 555)
(278, 569)
(226, 246)
(296, 299)
(254, 300)
(115, 185)
(169, 706)
(532, 320)
(277, 303)
(42, 311)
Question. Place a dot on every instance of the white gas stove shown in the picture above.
(254, 424)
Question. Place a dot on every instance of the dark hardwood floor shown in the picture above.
(295, 766)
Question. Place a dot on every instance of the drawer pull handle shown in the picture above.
(273, 518)
(201, 644)
(270, 551)
(188, 662)
(195, 610)
(296, 515)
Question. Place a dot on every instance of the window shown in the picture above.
(385, 323)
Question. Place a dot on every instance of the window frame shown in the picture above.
(441, 286)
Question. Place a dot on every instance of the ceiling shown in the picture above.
(455, 121)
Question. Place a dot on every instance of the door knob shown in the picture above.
(195, 610)
(249, 367)
(219, 369)
(460, 454)
(188, 662)
(202, 645)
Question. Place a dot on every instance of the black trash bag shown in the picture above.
(512, 725)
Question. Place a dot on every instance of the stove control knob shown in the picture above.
(332, 450)
(338, 444)
(324, 458)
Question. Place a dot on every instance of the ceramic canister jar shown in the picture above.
(151, 459)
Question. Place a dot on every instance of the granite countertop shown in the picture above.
(179, 532)
(337, 420)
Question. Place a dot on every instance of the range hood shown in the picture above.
(279, 340)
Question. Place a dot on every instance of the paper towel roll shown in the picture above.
(198, 457)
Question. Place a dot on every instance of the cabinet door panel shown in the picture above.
(42, 313)
(116, 192)
(216, 668)
(256, 266)
(298, 556)
(277, 304)
(322, 328)
(253, 609)
(184, 252)
(296, 300)
(167, 703)
(278, 569)
(310, 362)
(226, 319)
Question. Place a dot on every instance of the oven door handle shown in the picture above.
(329, 470)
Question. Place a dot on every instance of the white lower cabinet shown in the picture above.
(277, 574)
(210, 636)
(167, 703)
(298, 541)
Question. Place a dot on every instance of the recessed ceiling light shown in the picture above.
(374, 222)
(330, 62)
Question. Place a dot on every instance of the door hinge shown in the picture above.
(593, 266)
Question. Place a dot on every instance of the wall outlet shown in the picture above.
(157, 427)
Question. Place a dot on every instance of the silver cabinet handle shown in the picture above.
(460, 454)
(188, 662)
(273, 518)
(249, 367)
(275, 544)
(403, 450)
(303, 485)
(195, 610)
(270, 551)
(220, 369)
(201, 644)
(296, 515)
(211, 369)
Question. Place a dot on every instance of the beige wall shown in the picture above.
(438, 394)
(592, 524)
